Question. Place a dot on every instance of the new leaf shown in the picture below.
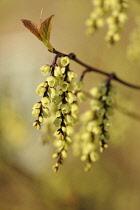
(42, 33)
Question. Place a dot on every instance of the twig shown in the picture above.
(113, 76)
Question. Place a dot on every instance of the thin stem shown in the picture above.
(72, 56)
(126, 83)
(90, 68)
(83, 74)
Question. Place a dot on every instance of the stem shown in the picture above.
(72, 56)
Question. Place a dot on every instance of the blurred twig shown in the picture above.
(118, 107)
(129, 113)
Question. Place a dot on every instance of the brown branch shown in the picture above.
(113, 76)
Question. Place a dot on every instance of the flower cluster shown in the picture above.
(40, 109)
(67, 110)
(58, 89)
(115, 9)
(96, 123)
(96, 19)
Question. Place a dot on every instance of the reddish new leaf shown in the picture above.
(45, 30)
(42, 33)
(32, 27)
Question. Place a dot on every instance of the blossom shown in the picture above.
(65, 61)
(52, 81)
(45, 69)
(45, 101)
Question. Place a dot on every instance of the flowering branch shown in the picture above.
(59, 105)
(73, 57)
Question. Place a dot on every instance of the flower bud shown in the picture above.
(65, 61)
(46, 112)
(102, 90)
(100, 22)
(40, 90)
(122, 17)
(71, 87)
(71, 76)
(88, 115)
(52, 81)
(63, 70)
(107, 136)
(78, 85)
(97, 130)
(81, 96)
(43, 84)
(57, 99)
(96, 104)
(107, 124)
(38, 127)
(34, 123)
(116, 37)
(60, 92)
(55, 155)
(55, 167)
(58, 113)
(74, 108)
(57, 121)
(64, 153)
(84, 157)
(90, 126)
(35, 112)
(89, 22)
(94, 156)
(70, 97)
(64, 86)
(40, 118)
(100, 112)
(65, 108)
(69, 140)
(52, 92)
(69, 130)
(95, 92)
(57, 71)
(88, 148)
(109, 100)
(101, 149)
(37, 105)
(45, 69)
(45, 101)
(69, 119)
(60, 80)
(86, 136)
(59, 135)
(59, 144)
(63, 129)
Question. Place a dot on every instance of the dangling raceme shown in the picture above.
(116, 20)
(115, 9)
(58, 89)
(94, 133)
(40, 109)
(67, 110)
(96, 19)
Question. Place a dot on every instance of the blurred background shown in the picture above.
(26, 178)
